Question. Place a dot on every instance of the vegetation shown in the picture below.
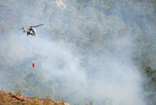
(14, 99)
(150, 83)
(89, 27)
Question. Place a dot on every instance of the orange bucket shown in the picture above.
(34, 65)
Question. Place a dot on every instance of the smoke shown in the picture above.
(117, 81)
(108, 77)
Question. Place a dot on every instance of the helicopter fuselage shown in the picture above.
(30, 31)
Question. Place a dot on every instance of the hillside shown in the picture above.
(15, 99)
(101, 52)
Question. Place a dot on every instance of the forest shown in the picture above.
(94, 52)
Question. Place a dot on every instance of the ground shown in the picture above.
(9, 98)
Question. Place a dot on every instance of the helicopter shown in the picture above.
(31, 30)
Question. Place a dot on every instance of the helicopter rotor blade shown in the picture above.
(37, 25)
